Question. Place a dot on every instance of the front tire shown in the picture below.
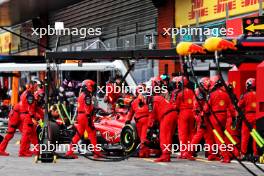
(129, 138)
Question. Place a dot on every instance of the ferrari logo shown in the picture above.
(254, 105)
(189, 101)
(222, 103)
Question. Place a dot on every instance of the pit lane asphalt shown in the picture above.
(15, 166)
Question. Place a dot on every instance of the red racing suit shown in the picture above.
(221, 105)
(204, 129)
(173, 97)
(140, 114)
(112, 94)
(165, 114)
(14, 122)
(186, 122)
(85, 121)
(248, 104)
(27, 112)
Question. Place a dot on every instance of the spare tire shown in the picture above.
(129, 138)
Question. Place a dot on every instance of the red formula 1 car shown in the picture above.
(112, 132)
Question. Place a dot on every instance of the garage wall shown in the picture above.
(125, 25)
(117, 18)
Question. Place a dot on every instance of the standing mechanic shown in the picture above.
(220, 104)
(164, 113)
(85, 118)
(139, 110)
(248, 103)
(20, 118)
(27, 113)
(204, 129)
(184, 104)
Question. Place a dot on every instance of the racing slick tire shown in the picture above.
(129, 138)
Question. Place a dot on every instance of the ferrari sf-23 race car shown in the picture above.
(115, 137)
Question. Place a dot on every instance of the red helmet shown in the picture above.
(175, 78)
(205, 83)
(214, 81)
(39, 97)
(156, 81)
(88, 85)
(251, 83)
(32, 86)
(182, 81)
(39, 93)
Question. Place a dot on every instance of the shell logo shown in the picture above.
(218, 44)
(254, 105)
(222, 103)
(189, 101)
(234, 84)
(186, 48)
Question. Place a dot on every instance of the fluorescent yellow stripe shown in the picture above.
(218, 136)
(228, 135)
(258, 136)
(256, 139)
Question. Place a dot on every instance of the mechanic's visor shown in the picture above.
(143, 97)
(30, 99)
(88, 100)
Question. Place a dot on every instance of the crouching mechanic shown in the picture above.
(85, 117)
(165, 114)
(139, 110)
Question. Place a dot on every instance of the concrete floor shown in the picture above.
(15, 166)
